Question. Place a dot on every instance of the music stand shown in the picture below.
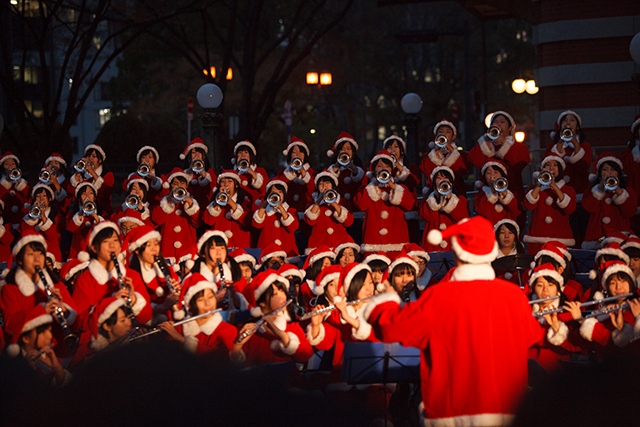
(443, 262)
(582, 261)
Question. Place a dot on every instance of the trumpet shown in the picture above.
(35, 211)
(584, 304)
(344, 159)
(441, 140)
(330, 196)
(545, 178)
(444, 188)
(197, 166)
(88, 208)
(383, 176)
(143, 170)
(395, 159)
(331, 308)
(179, 193)
(261, 322)
(222, 198)
(121, 282)
(15, 174)
(243, 165)
(567, 134)
(132, 201)
(153, 331)
(611, 183)
(296, 163)
(274, 199)
(500, 184)
(494, 133)
(80, 166)
(45, 176)
(70, 339)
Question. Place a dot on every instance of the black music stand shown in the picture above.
(442, 261)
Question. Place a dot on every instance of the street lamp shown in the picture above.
(210, 97)
(411, 105)
(324, 79)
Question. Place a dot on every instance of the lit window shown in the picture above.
(102, 116)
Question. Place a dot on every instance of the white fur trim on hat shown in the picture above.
(349, 277)
(268, 281)
(617, 268)
(403, 260)
(144, 239)
(507, 115)
(551, 273)
(111, 308)
(376, 257)
(150, 148)
(246, 144)
(444, 123)
(209, 234)
(441, 168)
(392, 138)
(97, 148)
(194, 289)
(22, 242)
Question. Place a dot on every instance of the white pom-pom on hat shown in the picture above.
(508, 275)
(166, 185)
(593, 274)
(329, 153)
(189, 264)
(256, 312)
(178, 314)
(380, 287)
(434, 237)
(478, 184)
(159, 291)
(432, 145)
(83, 256)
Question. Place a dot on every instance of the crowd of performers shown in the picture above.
(84, 278)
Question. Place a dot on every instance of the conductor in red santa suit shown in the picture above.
(474, 361)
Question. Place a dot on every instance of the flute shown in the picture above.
(607, 310)
(260, 322)
(70, 339)
(536, 301)
(331, 308)
(188, 319)
(122, 283)
(584, 304)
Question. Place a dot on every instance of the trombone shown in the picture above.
(494, 133)
(243, 165)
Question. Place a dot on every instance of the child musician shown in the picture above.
(44, 217)
(96, 173)
(276, 220)
(495, 201)
(137, 186)
(14, 189)
(404, 173)
(298, 175)
(378, 263)
(82, 215)
(421, 258)
(200, 177)
(246, 262)
(62, 188)
(347, 251)
(253, 178)
(630, 157)
(347, 167)
(149, 156)
(402, 277)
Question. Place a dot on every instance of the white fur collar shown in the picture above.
(215, 278)
(469, 272)
(272, 211)
(150, 273)
(513, 251)
(192, 329)
(560, 152)
(100, 273)
(6, 183)
(292, 175)
(98, 172)
(26, 285)
(488, 148)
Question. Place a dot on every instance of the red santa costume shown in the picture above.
(384, 227)
(472, 373)
(63, 195)
(440, 212)
(275, 228)
(79, 224)
(414, 251)
(409, 176)
(605, 206)
(6, 236)
(456, 160)
(491, 204)
(235, 224)
(349, 182)
(300, 182)
(199, 185)
(176, 222)
(550, 220)
(253, 187)
(143, 208)
(103, 184)
(50, 228)
(515, 155)
(96, 283)
(328, 224)
(13, 193)
(631, 161)
(154, 182)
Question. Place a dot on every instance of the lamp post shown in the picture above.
(634, 50)
(323, 79)
(411, 105)
(210, 97)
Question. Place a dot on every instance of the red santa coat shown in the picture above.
(384, 227)
(577, 172)
(349, 185)
(104, 185)
(96, 283)
(609, 341)
(555, 346)
(409, 176)
(549, 217)
(276, 230)
(123, 210)
(456, 160)
(6, 239)
(439, 216)
(228, 277)
(14, 198)
(328, 225)
(493, 207)
(200, 188)
(254, 188)
(235, 225)
(177, 225)
(79, 226)
(156, 284)
(474, 360)
(300, 190)
(51, 230)
(515, 156)
(606, 208)
(213, 336)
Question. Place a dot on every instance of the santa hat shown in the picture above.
(25, 321)
(55, 157)
(71, 267)
(614, 249)
(552, 251)
(631, 242)
(548, 270)
(139, 236)
(613, 235)
(472, 240)
(102, 225)
(604, 157)
(240, 255)
(494, 163)
(317, 254)
(392, 138)
(43, 186)
(196, 143)
(82, 185)
(150, 148)
(97, 148)
(296, 141)
(104, 311)
(379, 256)
(326, 174)
(382, 155)
(445, 122)
(636, 123)
(189, 260)
(414, 250)
(176, 172)
(259, 285)
(551, 157)
(562, 115)
(270, 251)
(246, 144)
(507, 115)
(498, 224)
(562, 248)
(346, 242)
(437, 169)
(275, 181)
(9, 155)
(193, 283)
(28, 236)
(348, 273)
(131, 216)
(229, 173)
(612, 267)
(342, 138)
(403, 258)
(287, 270)
(134, 177)
(326, 276)
(208, 235)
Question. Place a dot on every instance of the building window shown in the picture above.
(34, 107)
(102, 116)
(30, 74)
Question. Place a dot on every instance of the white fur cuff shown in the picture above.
(287, 222)
(586, 329)
(139, 305)
(78, 219)
(618, 200)
(596, 193)
(395, 195)
(47, 225)
(98, 183)
(257, 183)
(623, 337)
(214, 210)
(312, 216)
(565, 201)
(342, 216)
(317, 340)
(557, 338)
(193, 209)
(531, 199)
(257, 218)
(167, 206)
(508, 197)
(363, 331)
(237, 213)
(290, 350)
(451, 204)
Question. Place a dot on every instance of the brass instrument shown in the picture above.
(70, 339)
(331, 308)
(500, 184)
(274, 199)
(441, 140)
(261, 322)
(15, 174)
(88, 208)
(444, 188)
(243, 165)
(80, 166)
(611, 183)
(222, 198)
(537, 301)
(197, 166)
(494, 133)
(545, 178)
(584, 304)
(383, 176)
(395, 159)
(45, 176)
(296, 163)
(567, 134)
(121, 282)
(153, 331)
(143, 170)
(344, 159)
(179, 193)
(167, 274)
(35, 211)
(330, 196)
(132, 201)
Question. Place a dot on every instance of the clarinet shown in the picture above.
(70, 339)
(298, 310)
(223, 285)
(122, 284)
(405, 293)
(167, 274)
